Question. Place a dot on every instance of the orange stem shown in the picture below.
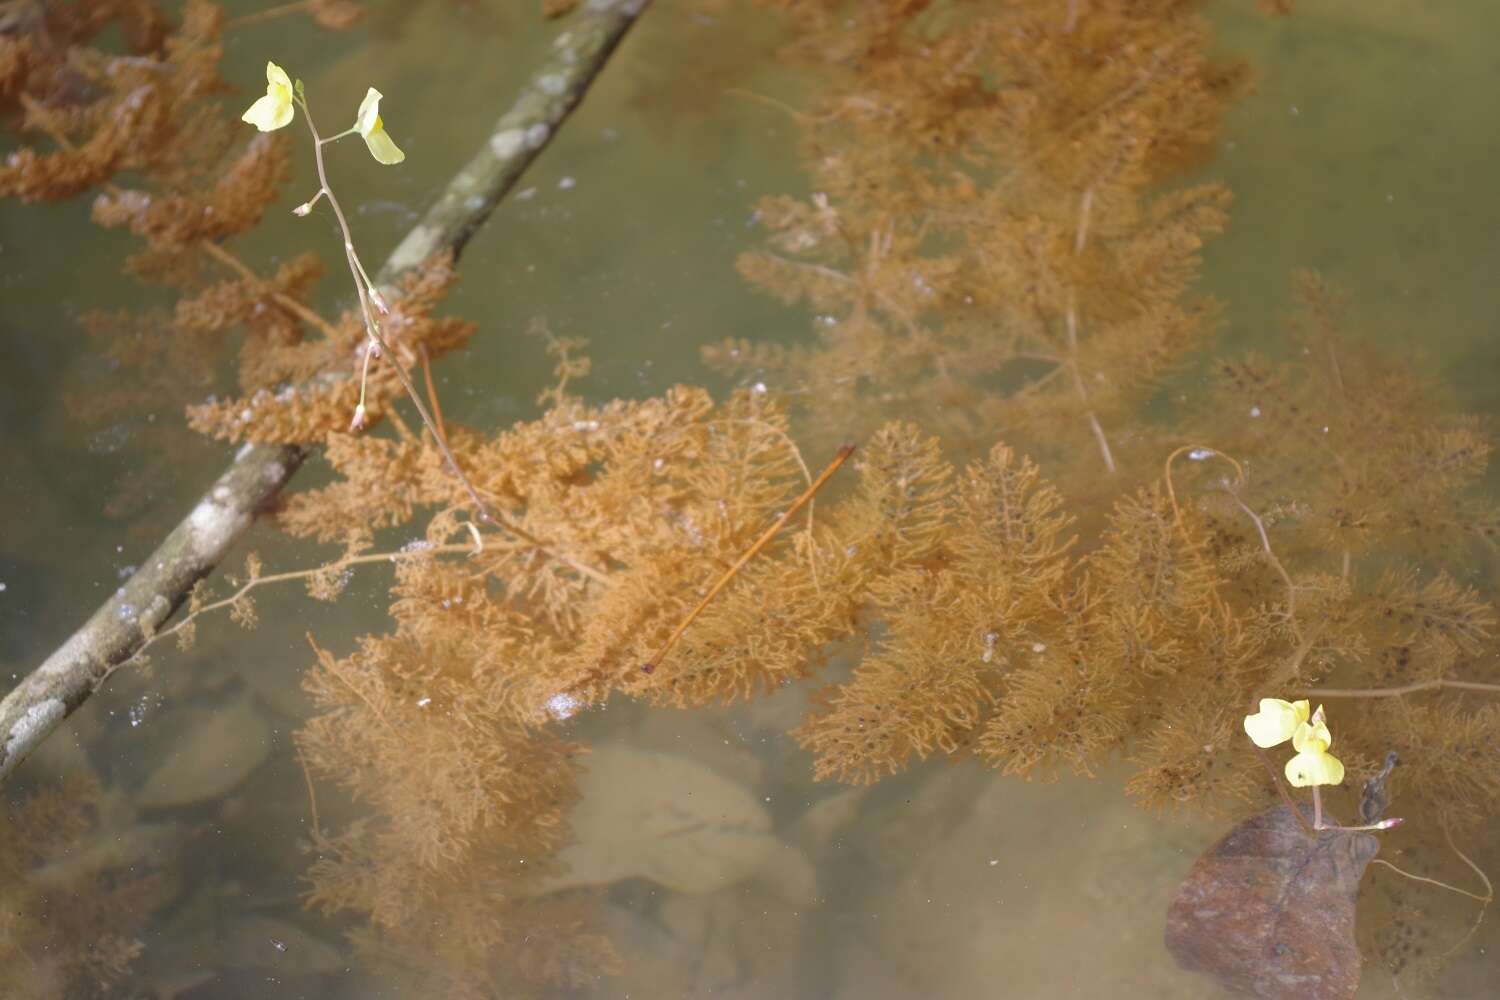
(432, 396)
(750, 553)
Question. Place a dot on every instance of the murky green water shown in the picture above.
(1367, 153)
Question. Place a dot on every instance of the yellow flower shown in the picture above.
(373, 130)
(1314, 765)
(275, 109)
(1276, 722)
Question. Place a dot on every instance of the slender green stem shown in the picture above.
(364, 287)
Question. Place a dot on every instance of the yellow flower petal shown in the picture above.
(1312, 737)
(1276, 722)
(382, 148)
(368, 118)
(276, 77)
(268, 113)
(1314, 768)
(274, 110)
(372, 129)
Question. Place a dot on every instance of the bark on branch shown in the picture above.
(118, 629)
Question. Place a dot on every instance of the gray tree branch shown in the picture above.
(125, 622)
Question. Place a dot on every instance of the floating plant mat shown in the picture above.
(1269, 910)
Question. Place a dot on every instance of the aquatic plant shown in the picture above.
(67, 927)
(993, 241)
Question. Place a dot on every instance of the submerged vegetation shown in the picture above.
(1039, 560)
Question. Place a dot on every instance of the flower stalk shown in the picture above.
(275, 110)
(1278, 721)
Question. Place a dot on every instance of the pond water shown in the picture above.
(1365, 151)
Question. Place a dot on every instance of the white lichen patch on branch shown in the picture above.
(34, 724)
(214, 524)
(508, 143)
(64, 660)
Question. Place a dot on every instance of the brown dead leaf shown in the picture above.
(1269, 910)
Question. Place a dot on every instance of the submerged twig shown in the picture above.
(343, 563)
(1437, 684)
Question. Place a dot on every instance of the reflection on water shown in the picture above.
(704, 851)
